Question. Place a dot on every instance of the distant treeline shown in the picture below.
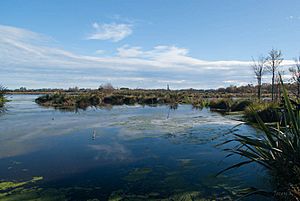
(265, 89)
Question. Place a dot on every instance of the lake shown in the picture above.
(121, 153)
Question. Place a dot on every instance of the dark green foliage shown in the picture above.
(56, 98)
(221, 104)
(240, 105)
(277, 150)
(267, 112)
(2, 101)
(43, 99)
(149, 101)
(229, 105)
(113, 100)
(200, 103)
(143, 97)
(2, 96)
(129, 100)
(120, 97)
(83, 102)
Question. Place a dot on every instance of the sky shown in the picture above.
(199, 44)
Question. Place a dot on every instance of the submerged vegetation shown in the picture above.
(23, 190)
(277, 150)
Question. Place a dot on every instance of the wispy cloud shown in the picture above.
(99, 51)
(126, 51)
(30, 59)
(114, 32)
(292, 17)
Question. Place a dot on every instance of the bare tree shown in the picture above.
(259, 69)
(296, 74)
(274, 60)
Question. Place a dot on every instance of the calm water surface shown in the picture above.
(121, 153)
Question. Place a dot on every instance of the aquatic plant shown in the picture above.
(277, 150)
(183, 196)
(3, 100)
(229, 105)
(53, 99)
(18, 190)
(240, 105)
(200, 103)
(267, 111)
(138, 174)
(221, 104)
(83, 100)
(31, 190)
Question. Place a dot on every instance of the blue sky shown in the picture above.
(141, 44)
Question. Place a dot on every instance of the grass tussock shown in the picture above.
(229, 105)
(267, 111)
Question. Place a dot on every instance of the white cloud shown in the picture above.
(126, 51)
(100, 51)
(30, 59)
(114, 32)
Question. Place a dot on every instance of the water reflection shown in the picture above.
(124, 152)
(115, 151)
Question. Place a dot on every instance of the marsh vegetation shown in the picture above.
(121, 97)
(3, 99)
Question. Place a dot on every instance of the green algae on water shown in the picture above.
(138, 174)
